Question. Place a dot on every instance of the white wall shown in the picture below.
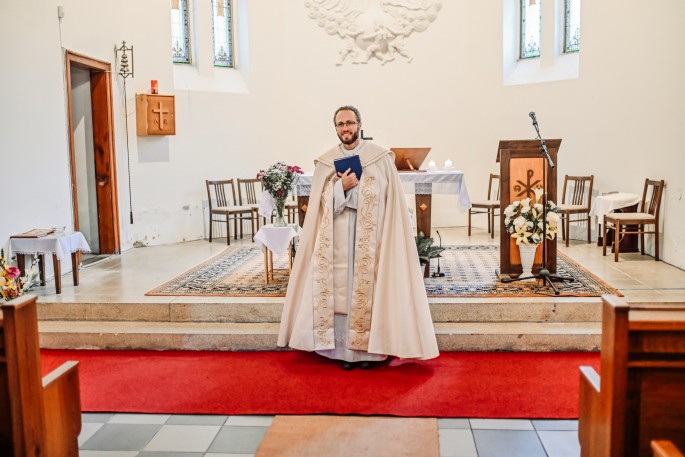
(619, 119)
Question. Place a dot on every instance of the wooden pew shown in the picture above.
(38, 417)
(665, 449)
(640, 395)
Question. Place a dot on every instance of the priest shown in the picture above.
(356, 291)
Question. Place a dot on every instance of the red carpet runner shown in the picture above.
(456, 384)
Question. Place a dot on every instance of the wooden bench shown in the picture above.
(640, 395)
(38, 417)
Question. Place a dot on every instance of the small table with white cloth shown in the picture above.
(422, 184)
(615, 202)
(279, 240)
(57, 244)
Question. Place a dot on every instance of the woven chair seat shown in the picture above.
(232, 209)
(582, 208)
(630, 217)
(484, 203)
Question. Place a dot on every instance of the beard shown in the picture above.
(352, 139)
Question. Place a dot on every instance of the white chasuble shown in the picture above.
(388, 308)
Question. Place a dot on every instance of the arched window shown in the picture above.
(572, 40)
(223, 43)
(531, 19)
(180, 42)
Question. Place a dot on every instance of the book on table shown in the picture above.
(34, 233)
(352, 162)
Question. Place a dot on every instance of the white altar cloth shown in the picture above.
(604, 204)
(421, 183)
(60, 244)
(277, 239)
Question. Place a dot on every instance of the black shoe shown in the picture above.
(347, 366)
(367, 365)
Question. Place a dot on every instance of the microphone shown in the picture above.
(532, 116)
(438, 274)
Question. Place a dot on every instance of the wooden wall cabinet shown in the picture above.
(155, 114)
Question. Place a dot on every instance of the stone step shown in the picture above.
(212, 336)
(268, 310)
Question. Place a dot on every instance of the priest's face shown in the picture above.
(347, 128)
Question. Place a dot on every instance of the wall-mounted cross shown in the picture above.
(159, 110)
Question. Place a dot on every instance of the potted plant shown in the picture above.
(426, 251)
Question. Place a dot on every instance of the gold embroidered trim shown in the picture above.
(364, 266)
(322, 290)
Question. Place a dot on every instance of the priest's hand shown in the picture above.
(349, 180)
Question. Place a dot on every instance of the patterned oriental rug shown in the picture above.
(469, 272)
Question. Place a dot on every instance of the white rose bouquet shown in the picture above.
(523, 219)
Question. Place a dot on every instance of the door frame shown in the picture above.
(103, 144)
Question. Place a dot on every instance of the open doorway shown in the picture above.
(93, 160)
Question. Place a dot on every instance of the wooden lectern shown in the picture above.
(521, 166)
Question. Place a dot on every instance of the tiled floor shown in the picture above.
(127, 277)
(158, 435)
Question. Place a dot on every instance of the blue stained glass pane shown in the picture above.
(572, 41)
(180, 45)
(531, 21)
(223, 43)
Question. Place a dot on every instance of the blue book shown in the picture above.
(351, 162)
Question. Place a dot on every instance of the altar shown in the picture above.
(422, 184)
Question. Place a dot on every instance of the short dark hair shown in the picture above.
(348, 108)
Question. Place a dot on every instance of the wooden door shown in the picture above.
(103, 147)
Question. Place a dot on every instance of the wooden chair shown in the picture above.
(578, 192)
(665, 449)
(292, 209)
(640, 395)
(221, 205)
(489, 206)
(37, 417)
(249, 191)
(634, 223)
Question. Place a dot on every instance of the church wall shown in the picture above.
(33, 144)
(619, 119)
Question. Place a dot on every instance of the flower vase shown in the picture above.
(527, 253)
(279, 221)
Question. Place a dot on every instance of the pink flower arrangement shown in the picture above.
(279, 179)
(11, 285)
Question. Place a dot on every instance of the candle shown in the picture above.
(431, 165)
(448, 164)
(154, 87)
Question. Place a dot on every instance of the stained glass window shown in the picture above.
(223, 51)
(531, 20)
(180, 44)
(572, 41)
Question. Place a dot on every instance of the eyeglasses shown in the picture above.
(340, 125)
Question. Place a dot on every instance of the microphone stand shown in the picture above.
(543, 273)
(437, 274)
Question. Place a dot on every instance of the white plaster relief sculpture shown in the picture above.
(373, 28)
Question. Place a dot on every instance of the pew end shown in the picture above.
(589, 408)
(39, 416)
(62, 409)
(664, 448)
(640, 394)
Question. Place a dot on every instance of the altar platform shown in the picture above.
(109, 310)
